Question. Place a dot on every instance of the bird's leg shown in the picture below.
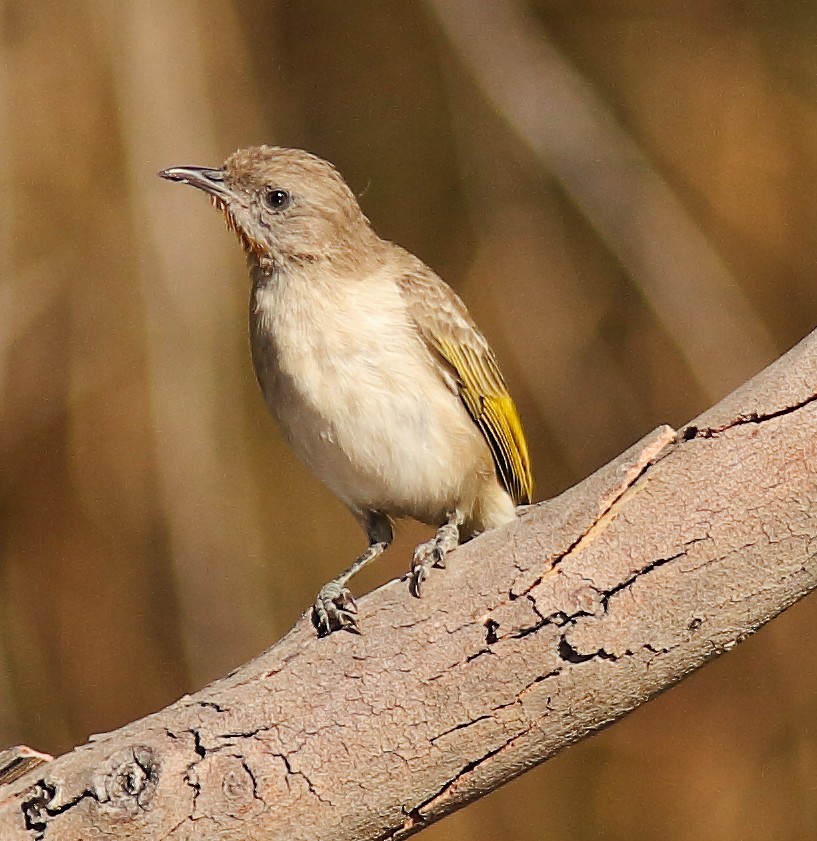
(335, 609)
(432, 553)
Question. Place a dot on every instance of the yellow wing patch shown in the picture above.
(485, 395)
(449, 332)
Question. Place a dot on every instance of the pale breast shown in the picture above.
(358, 398)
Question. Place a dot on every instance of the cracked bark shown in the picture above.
(534, 636)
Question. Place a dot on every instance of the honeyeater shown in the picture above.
(377, 374)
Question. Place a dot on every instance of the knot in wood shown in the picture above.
(35, 808)
(233, 776)
(237, 785)
(129, 779)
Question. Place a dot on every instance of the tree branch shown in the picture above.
(535, 636)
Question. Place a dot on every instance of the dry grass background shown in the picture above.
(625, 194)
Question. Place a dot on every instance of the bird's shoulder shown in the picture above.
(435, 308)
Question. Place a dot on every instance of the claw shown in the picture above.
(334, 610)
(424, 558)
(418, 575)
(427, 556)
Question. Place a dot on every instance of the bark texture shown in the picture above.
(536, 635)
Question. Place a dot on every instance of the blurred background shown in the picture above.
(624, 192)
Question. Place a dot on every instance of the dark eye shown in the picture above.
(276, 199)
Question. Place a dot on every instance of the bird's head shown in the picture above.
(284, 205)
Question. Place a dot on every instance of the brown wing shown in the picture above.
(463, 353)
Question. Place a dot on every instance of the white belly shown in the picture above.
(360, 402)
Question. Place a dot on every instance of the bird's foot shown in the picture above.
(426, 556)
(334, 610)
(432, 554)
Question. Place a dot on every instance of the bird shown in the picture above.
(378, 376)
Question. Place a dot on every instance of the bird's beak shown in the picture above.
(205, 178)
